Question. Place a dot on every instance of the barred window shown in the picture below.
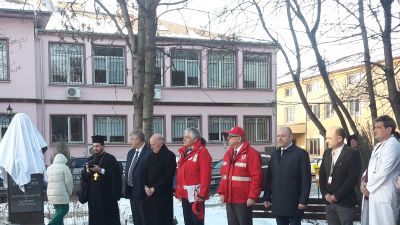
(179, 125)
(113, 127)
(109, 65)
(4, 122)
(257, 70)
(185, 68)
(66, 63)
(221, 69)
(68, 129)
(159, 78)
(258, 128)
(217, 125)
(158, 125)
(4, 60)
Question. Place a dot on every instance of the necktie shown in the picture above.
(282, 151)
(134, 161)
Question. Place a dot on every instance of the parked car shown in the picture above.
(316, 161)
(216, 176)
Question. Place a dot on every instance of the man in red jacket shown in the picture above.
(241, 178)
(193, 177)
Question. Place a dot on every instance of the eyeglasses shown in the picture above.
(231, 136)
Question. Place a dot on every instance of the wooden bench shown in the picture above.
(314, 211)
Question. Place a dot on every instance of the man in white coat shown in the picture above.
(381, 202)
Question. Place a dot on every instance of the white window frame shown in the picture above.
(289, 114)
(108, 129)
(221, 64)
(69, 117)
(107, 63)
(221, 129)
(353, 106)
(329, 111)
(268, 138)
(186, 62)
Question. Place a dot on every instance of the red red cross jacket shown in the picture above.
(241, 177)
(193, 169)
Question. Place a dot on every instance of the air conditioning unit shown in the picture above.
(73, 92)
(90, 150)
(157, 93)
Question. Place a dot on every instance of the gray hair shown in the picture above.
(139, 134)
(193, 132)
(157, 136)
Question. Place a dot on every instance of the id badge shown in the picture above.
(330, 180)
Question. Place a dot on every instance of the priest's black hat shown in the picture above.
(98, 139)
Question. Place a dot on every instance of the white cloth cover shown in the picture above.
(21, 151)
(59, 187)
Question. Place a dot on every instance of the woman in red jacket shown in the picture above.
(193, 177)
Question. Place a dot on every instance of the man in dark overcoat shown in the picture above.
(288, 180)
(158, 179)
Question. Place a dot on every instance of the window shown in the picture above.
(329, 111)
(66, 63)
(354, 78)
(313, 146)
(4, 122)
(289, 114)
(179, 125)
(258, 128)
(158, 125)
(109, 65)
(67, 129)
(4, 60)
(313, 86)
(159, 79)
(315, 109)
(185, 68)
(113, 127)
(257, 70)
(289, 91)
(221, 70)
(217, 125)
(355, 107)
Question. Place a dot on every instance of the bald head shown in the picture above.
(335, 137)
(156, 141)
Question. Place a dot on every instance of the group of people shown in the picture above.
(151, 168)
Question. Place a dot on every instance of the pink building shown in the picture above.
(77, 84)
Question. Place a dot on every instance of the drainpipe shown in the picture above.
(42, 106)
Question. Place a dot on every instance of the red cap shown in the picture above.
(198, 210)
(236, 131)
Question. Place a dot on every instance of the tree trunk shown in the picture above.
(394, 95)
(139, 69)
(150, 58)
(367, 62)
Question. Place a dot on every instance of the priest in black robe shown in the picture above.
(158, 180)
(101, 183)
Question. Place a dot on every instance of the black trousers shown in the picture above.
(339, 215)
(188, 215)
(138, 215)
(288, 220)
(239, 214)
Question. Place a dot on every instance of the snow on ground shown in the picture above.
(215, 213)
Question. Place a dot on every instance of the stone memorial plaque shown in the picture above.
(26, 207)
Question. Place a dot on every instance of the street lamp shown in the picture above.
(10, 111)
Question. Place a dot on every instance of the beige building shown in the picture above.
(350, 85)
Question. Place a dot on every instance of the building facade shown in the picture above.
(74, 85)
(350, 85)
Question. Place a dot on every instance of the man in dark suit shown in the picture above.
(339, 173)
(135, 164)
(288, 180)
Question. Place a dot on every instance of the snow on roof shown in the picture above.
(27, 5)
